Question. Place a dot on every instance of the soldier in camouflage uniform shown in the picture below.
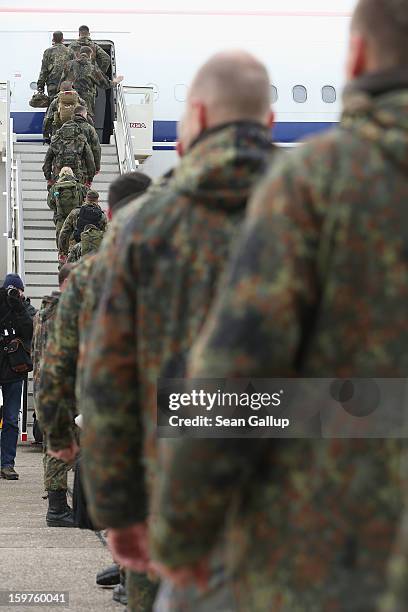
(86, 77)
(52, 123)
(65, 195)
(67, 239)
(55, 471)
(69, 147)
(162, 272)
(80, 118)
(53, 64)
(99, 56)
(317, 289)
(91, 239)
(60, 374)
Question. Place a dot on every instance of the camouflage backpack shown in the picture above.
(67, 101)
(68, 195)
(91, 239)
(68, 145)
(88, 215)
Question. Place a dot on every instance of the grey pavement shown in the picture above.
(40, 558)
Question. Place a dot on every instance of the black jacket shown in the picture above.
(15, 322)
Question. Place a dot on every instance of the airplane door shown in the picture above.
(105, 99)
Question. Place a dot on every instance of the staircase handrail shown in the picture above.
(124, 145)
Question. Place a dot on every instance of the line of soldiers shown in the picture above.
(72, 75)
(248, 263)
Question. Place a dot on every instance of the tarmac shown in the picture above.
(34, 557)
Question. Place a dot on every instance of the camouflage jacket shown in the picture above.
(92, 138)
(160, 277)
(85, 76)
(100, 56)
(56, 396)
(91, 239)
(316, 289)
(41, 327)
(50, 123)
(66, 238)
(69, 147)
(53, 63)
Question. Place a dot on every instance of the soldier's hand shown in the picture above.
(118, 79)
(66, 454)
(198, 574)
(129, 547)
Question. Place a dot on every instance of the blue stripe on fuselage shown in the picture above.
(166, 131)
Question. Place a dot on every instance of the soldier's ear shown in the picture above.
(358, 56)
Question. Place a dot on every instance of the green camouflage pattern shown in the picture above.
(100, 56)
(91, 239)
(53, 63)
(55, 470)
(317, 288)
(141, 592)
(66, 237)
(69, 147)
(162, 266)
(63, 206)
(92, 139)
(52, 122)
(86, 77)
(56, 394)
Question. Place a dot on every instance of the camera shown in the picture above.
(12, 292)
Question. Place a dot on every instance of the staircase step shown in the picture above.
(50, 279)
(44, 233)
(42, 255)
(32, 265)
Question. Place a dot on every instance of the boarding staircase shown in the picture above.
(40, 249)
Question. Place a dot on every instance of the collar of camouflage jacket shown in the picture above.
(220, 168)
(376, 106)
(48, 305)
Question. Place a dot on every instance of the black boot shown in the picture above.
(59, 513)
(109, 576)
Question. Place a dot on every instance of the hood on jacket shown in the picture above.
(376, 105)
(48, 305)
(222, 164)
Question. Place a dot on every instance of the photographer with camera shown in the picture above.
(16, 330)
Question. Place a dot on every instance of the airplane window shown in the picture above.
(300, 94)
(274, 94)
(180, 92)
(33, 85)
(329, 94)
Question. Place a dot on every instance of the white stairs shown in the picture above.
(40, 249)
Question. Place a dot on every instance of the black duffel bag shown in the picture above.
(79, 505)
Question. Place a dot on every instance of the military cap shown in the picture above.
(92, 195)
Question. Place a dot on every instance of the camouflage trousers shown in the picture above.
(59, 222)
(55, 473)
(141, 592)
(89, 97)
(219, 597)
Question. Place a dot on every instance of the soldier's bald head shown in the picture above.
(234, 84)
(230, 86)
(384, 24)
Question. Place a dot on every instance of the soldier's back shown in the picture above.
(319, 519)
